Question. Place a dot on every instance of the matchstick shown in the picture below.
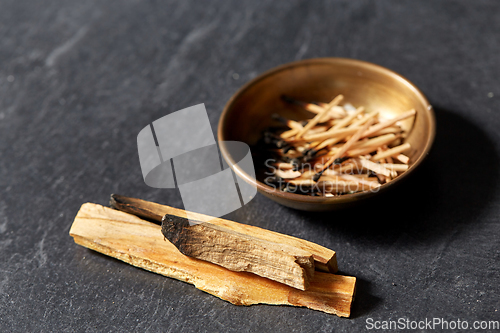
(391, 152)
(344, 148)
(320, 115)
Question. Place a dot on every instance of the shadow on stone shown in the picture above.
(450, 189)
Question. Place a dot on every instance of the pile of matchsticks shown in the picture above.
(340, 150)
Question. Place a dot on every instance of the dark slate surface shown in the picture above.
(79, 80)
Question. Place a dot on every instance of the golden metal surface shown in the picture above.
(376, 88)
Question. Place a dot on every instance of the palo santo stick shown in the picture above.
(391, 152)
(388, 123)
(239, 252)
(402, 158)
(344, 148)
(320, 115)
(140, 243)
(324, 259)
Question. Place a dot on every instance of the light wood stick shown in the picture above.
(363, 120)
(402, 158)
(288, 174)
(294, 125)
(288, 134)
(320, 115)
(313, 108)
(140, 243)
(324, 259)
(342, 123)
(344, 148)
(302, 182)
(347, 120)
(336, 111)
(283, 166)
(388, 130)
(388, 123)
(395, 167)
(377, 168)
(365, 147)
(364, 181)
(338, 133)
(343, 186)
(391, 152)
(328, 142)
(239, 252)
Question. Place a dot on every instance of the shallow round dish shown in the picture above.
(376, 88)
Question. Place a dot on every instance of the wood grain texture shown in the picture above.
(324, 259)
(141, 243)
(239, 252)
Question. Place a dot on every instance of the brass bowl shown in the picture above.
(362, 83)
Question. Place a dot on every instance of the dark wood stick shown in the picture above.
(324, 259)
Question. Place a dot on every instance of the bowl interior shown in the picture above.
(376, 88)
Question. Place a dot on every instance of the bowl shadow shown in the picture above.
(449, 189)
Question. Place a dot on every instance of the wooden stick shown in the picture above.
(388, 123)
(315, 108)
(288, 122)
(283, 166)
(239, 252)
(324, 259)
(335, 112)
(338, 133)
(328, 142)
(388, 130)
(347, 120)
(363, 120)
(302, 182)
(288, 134)
(320, 115)
(395, 167)
(364, 181)
(344, 148)
(365, 147)
(140, 243)
(289, 174)
(344, 186)
(391, 152)
(377, 168)
(342, 123)
(402, 158)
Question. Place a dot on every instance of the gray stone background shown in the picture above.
(80, 79)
